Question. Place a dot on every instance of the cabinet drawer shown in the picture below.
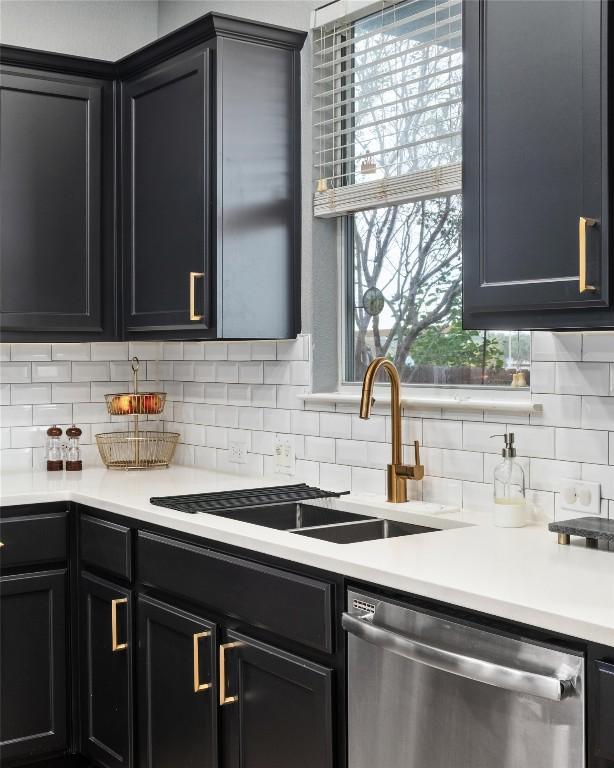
(605, 710)
(106, 546)
(296, 607)
(33, 539)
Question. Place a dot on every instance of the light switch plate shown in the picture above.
(285, 459)
(581, 496)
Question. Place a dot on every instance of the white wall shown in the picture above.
(98, 29)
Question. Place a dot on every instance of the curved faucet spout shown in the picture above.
(398, 473)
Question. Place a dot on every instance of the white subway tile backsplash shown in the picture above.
(193, 350)
(157, 370)
(15, 415)
(556, 346)
(276, 420)
(542, 377)
(70, 351)
(334, 477)
(204, 371)
(299, 373)
(53, 372)
(92, 413)
(336, 425)
(373, 429)
(5, 353)
(462, 465)
(5, 394)
(372, 481)
(547, 474)
(611, 448)
(227, 416)
(251, 418)
(320, 449)
(276, 372)
(582, 445)
(205, 457)
(204, 413)
(22, 394)
(305, 422)
(70, 393)
(291, 349)
(16, 460)
(216, 350)
(172, 350)
(582, 378)
(352, 452)
(479, 436)
(442, 434)
(100, 371)
(109, 350)
(600, 473)
(239, 394)
(478, 496)
(30, 352)
(194, 392)
(28, 437)
(598, 413)
(5, 438)
(533, 441)
(217, 437)
(264, 395)
(598, 347)
(145, 350)
(251, 372)
(15, 373)
(183, 370)
(558, 411)
(443, 491)
(290, 397)
(239, 350)
(52, 413)
(263, 350)
(226, 371)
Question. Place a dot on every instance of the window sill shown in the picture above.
(450, 403)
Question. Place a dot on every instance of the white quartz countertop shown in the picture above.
(518, 574)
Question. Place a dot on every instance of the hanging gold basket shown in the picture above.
(136, 448)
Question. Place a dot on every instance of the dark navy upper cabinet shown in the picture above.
(211, 184)
(57, 253)
(536, 249)
(157, 196)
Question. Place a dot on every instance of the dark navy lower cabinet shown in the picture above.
(177, 688)
(106, 672)
(33, 665)
(278, 707)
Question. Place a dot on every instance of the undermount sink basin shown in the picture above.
(321, 522)
(368, 530)
(285, 517)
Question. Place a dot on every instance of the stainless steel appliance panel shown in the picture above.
(428, 692)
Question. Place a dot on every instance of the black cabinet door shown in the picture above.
(277, 707)
(166, 199)
(106, 672)
(535, 164)
(177, 695)
(53, 207)
(33, 668)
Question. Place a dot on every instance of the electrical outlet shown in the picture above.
(285, 460)
(581, 496)
(238, 452)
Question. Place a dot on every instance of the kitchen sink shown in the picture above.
(284, 517)
(367, 530)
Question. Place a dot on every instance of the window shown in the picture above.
(387, 121)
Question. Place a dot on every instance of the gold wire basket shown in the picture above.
(136, 449)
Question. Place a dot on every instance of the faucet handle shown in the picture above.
(417, 451)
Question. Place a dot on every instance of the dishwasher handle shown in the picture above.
(509, 678)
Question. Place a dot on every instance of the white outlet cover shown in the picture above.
(581, 496)
(238, 452)
(284, 455)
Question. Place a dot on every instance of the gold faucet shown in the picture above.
(398, 473)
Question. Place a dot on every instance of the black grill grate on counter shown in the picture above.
(250, 497)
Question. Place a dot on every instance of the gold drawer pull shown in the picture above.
(198, 686)
(115, 646)
(584, 223)
(1, 544)
(193, 276)
(224, 698)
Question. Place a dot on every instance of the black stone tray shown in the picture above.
(593, 529)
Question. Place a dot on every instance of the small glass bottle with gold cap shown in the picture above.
(73, 452)
(54, 449)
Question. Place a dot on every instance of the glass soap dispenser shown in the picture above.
(510, 508)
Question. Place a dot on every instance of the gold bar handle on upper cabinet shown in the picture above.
(193, 276)
(224, 698)
(115, 646)
(198, 686)
(584, 223)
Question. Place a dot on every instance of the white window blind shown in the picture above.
(387, 106)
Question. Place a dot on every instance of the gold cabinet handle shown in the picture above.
(115, 646)
(198, 686)
(1, 544)
(193, 276)
(224, 698)
(584, 223)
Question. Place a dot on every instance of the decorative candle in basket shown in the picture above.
(136, 448)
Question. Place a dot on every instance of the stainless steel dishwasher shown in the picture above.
(430, 692)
